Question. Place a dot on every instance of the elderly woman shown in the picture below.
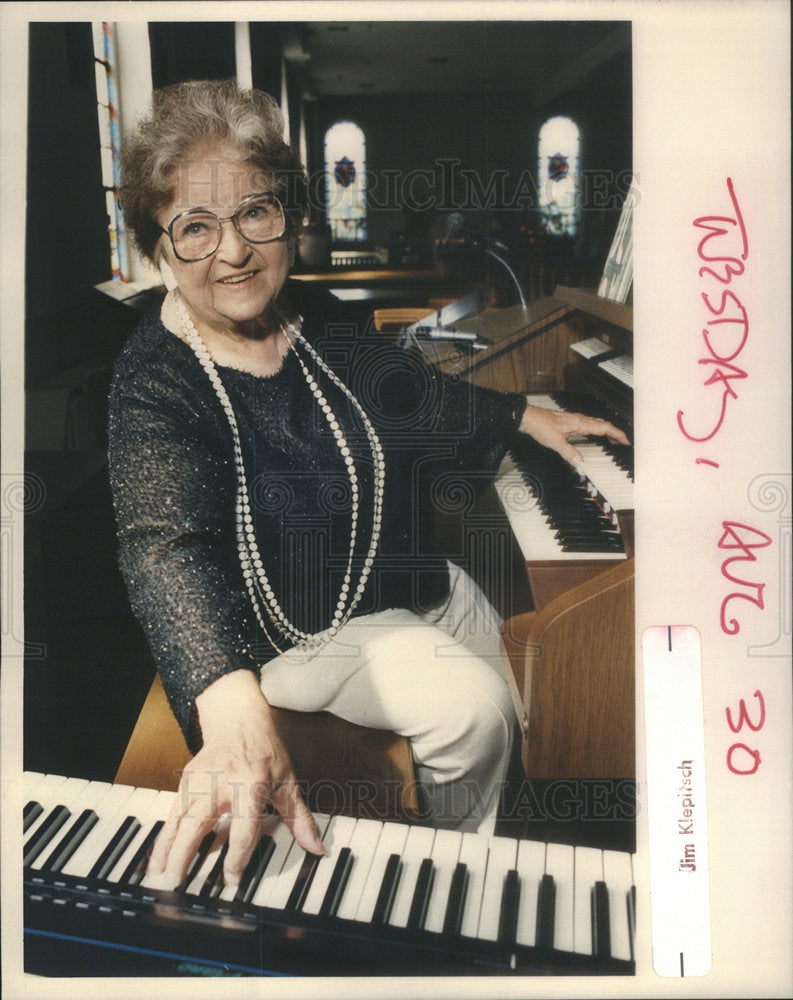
(271, 472)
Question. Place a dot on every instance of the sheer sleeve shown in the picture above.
(174, 492)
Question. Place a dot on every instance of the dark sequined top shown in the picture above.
(174, 485)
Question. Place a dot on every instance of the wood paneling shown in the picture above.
(575, 663)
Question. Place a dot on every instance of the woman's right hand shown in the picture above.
(241, 768)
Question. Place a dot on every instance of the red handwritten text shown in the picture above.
(752, 760)
(745, 539)
(727, 327)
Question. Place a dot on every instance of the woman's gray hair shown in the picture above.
(188, 118)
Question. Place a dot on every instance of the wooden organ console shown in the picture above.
(572, 654)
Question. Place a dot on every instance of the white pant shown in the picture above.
(435, 678)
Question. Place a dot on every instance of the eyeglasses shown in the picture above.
(196, 234)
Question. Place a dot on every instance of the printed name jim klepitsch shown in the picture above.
(685, 822)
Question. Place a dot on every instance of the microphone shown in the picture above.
(511, 273)
(458, 228)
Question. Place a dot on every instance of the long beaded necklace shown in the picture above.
(259, 589)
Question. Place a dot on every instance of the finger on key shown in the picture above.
(297, 816)
(181, 836)
(243, 837)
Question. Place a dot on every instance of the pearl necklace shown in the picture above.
(257, 584)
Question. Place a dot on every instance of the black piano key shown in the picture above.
(508, 917)
(213, 884)
(116, 846)
(453, 918)
(630, 900)
(546, 910)
(388, 887)
(594, 528)
(303, 882)
(71, 840)
(200, 857)
(337, 884)
(255, 869)
(591, 547)
(421, 896)
(135, 871)
(45, 833)
(585, 510)
(601, 930)
(30, 814)
(595, 537)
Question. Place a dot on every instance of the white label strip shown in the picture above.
(676, 801)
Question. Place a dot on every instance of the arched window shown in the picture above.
(345, 181)
(557, 176)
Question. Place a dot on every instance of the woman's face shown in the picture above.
(240, 280)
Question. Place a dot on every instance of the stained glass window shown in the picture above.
(107, 109)
(557, 176)
(345, 181)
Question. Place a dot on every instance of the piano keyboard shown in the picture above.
(386, 898)
(609, 359)
(620, 368)
(557, 513)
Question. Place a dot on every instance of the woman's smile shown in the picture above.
(238, 279)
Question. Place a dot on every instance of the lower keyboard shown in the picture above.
(385, 899)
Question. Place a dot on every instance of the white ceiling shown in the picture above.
(536, 58)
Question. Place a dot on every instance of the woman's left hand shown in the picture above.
(554, 429)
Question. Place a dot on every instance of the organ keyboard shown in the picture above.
(556, 512)
(386, 898)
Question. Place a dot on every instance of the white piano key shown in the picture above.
(283, 840)
(63, 795)
(337, 835)
(33, 780)
(588, 871)
(618, 872)
(543, 399)
(53, 789)
(286, 878)
(559, 864)
(158, 808)
(58, 791)
(445, 855)
(392, 841)
(531, 866)
(268, 825)
(502, 856)
(621, 368)
(363, 845)
(89, 797)
(473, 854)
(113, 800)
(34, 806)
(114, 847)
(608, 479)
(221, 832)
(418, 846)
